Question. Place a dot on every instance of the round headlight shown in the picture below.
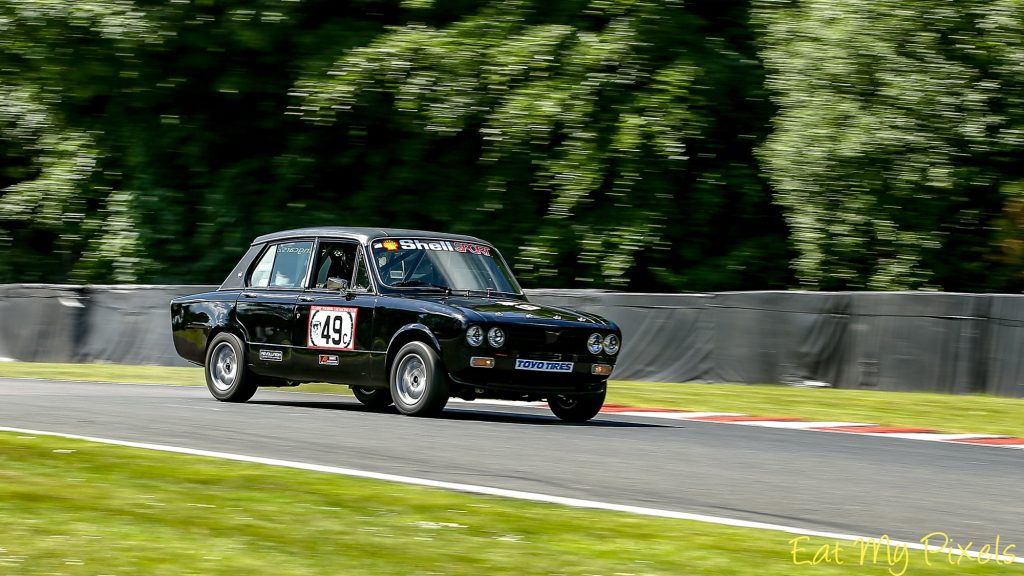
(594, 343)
(611, 344)
(496, 337)
(474, 336)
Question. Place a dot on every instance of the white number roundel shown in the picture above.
(332, 327)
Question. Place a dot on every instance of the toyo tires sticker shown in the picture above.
(332, 327)
(543, 366)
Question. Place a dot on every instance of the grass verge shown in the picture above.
(72, 507)
(949, 413)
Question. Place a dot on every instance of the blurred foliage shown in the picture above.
(614, 137)
(603, 143)
(630, 144)
(896, 150)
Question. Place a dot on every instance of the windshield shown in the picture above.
(441, 265)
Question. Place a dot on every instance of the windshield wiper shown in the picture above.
(421, 284)
(490, 292)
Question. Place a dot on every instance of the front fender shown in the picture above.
(402, 336)
(408, 333)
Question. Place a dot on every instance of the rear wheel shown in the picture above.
(577, 408)
(226, 374)
(419, 384)
(376, 398)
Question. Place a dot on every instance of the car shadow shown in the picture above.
(462, 413)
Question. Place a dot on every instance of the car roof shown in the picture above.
(362, 234)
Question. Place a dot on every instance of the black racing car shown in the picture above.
(402, 316)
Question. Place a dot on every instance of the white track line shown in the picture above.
(798, 424)
(783, 424)
(500, 492)
(930, 436)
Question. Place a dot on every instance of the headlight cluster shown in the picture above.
(475, 336)
(596, 343)
(496, 337)
(611, 344)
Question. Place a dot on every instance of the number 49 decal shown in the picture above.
(332, 327)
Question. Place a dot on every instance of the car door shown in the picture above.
(334, 317)
(266, 307)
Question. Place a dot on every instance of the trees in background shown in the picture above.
(61, 211)
(161, 140)
(896, 149)
(610, 141)
(630, 144)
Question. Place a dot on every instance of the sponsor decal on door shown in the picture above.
(271, 355)
(332, 327)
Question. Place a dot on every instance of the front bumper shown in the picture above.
(517, 390)
(506, 379)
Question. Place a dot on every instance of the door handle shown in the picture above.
(248, 295)
(306, 298)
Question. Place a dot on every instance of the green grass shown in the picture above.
(949, 413)
(176, 376)
(104, 373)
(79, 508)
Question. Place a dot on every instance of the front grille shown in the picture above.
(535, 339)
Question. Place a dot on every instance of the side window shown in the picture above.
(261, 274)
(334, 262)
(290, 263)
(362, 277)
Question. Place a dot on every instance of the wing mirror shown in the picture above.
(334, 283)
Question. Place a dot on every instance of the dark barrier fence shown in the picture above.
(121, 324)
(921, 341)
(911, 341)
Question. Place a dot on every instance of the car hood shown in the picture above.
(483, 309)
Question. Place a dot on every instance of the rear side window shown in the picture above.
(261, 274)
(282, 266)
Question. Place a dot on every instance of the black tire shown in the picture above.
(578, 407)
(227, 376)
(419, 384)
(376, 398)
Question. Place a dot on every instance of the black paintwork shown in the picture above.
(275, 320)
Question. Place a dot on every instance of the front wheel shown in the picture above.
(226, 375)
(375, 398)
(577, 408)
(419, 384)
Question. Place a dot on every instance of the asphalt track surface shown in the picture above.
(817, 481)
